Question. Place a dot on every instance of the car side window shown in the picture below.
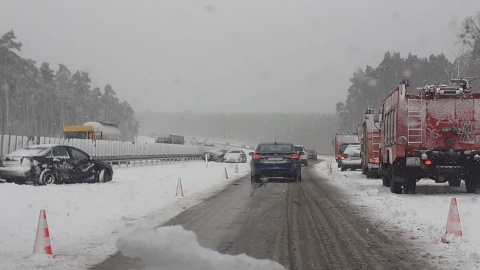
(60, 152)
(77, 154)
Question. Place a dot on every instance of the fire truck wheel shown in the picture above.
(396, 184)
(471, 185)
(385, 181)
(454, 182)
(410, 186)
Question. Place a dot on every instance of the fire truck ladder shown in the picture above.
(376, 138)
(414, 121)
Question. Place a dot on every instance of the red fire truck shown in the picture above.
(434, 134)
(341, 142)
(370, 141)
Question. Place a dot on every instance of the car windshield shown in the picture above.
(25, 152)
(275, 148)
(234, 152)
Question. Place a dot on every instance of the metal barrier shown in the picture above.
(101, 149)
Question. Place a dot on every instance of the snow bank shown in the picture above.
(172, 247)
(86, 220)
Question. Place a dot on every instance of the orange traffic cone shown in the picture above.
(454, 228)
(179, 188)
(236, 168)
(225, 174)
(42, 238)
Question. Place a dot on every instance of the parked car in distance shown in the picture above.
(275, 160)
(302, 153)
(351, 158)
(215, 155)
(312, 154)
(235, 156)
(46, 164)
(340, 156)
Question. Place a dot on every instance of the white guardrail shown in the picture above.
(106, 150)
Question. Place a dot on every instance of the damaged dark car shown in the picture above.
(47, 164)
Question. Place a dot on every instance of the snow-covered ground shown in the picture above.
(422, 217)
(86, 220)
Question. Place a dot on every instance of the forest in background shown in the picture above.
(40, 101)
(371, 85)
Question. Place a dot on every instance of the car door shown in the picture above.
(83, 167)
(61, 163)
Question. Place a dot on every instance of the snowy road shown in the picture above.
(306, 225)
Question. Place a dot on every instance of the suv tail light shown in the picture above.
(295, 156)
(256, 157)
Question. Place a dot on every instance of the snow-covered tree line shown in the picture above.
(371, 85)
(39, 101)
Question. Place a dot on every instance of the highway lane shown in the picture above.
(307, 225)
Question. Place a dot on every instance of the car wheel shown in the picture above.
(298, 178)
(104, 176)
(343, 168)
(306, 162)
(9, 180)
(47, 177)
(254, 179)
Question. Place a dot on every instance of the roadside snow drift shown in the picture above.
(86, 220)
(172, 247)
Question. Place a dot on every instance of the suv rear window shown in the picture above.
(275, 148)
(343, 146)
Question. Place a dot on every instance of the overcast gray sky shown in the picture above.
(230, 56)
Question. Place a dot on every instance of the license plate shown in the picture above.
(373, 165)
(275, 158)
(413, 161)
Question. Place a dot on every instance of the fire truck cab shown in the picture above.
(434, 134)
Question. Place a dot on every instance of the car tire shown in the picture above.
(343, 168)
(9, 180)
(254, 179)
(298, 178)
(47, 177)
(104, 176)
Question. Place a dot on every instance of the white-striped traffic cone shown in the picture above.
(42, 238)
(179, 188)
(454, 228)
